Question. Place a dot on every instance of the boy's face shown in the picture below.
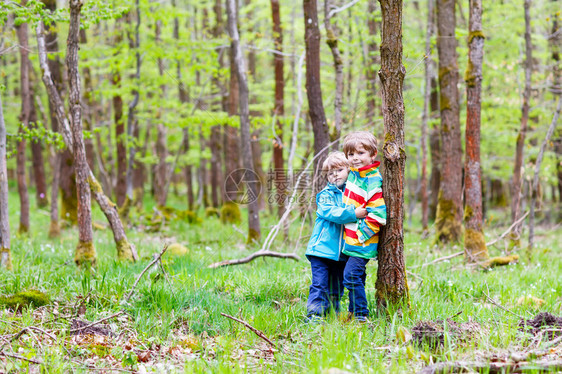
(360, 157)
(338, 176)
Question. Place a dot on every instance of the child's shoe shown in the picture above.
(313, 319)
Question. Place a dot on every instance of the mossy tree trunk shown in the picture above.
(474, 244)
(85, 252)
(26, 101)
(125, 250)
(449, 206)
(5, 254)
(555, 44)
(254, 231)
(55, 68)
(314, 88)
(425, 118)
(434, 146)
(279, 111)
(392, 284)
(89, 108)
(519, 146)
(117, 100)
(37, 154)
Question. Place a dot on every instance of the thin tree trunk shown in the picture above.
(132, 121)
(332, 41)
(373, 59)
(85, 253)
(216, 169)
(392, 285)
(425, 118)
(525, 107)
(555, 44)
(535, 191)
(37, 154)
(89, 107)
(161, 137)
(313, 87)
(449, 207)
(5, 254)
(120, 141)
(254, 231)
(434, 147)
(279, 111)
(475, 249)
(125, 250)
(26, 101)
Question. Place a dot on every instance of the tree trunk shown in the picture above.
(250, 179)
(37, 154)
(89, 107)
(313, 88)
(279, 111)
(120, 139)
(332, 41)
(434, 147)
(132, 121)
(425, 118)
(475, 249)
(85, 253)
(525, 107)
(392, 284)
(5, 254)
(216, 168)
(161, 149)
(449, 207)
(555, 44)
(26, 101)
(373, 59)
(125, 250)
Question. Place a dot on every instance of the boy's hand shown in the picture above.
(360, 212)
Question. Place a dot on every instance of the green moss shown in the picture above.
(85, 254)
(125, 208)
(448, 227)
(500, 261)
(468, 212)
(189, 216)
(444, 102)
(253, 236)
(95, 187)
(5, 252)
(475, 34)
(29, 299)
(230, 213)
(469, 76)
(475, 246)
(212, 212)
(124, 250)
(388, 137)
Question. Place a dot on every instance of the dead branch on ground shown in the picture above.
(254, 330)
(155, 260)
(253, 256)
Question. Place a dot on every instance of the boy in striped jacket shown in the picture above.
(363, 189)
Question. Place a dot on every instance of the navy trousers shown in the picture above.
(326, 289)
(354, 276)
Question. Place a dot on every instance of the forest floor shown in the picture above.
(460, 316)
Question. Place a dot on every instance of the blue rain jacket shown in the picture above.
(327, 236)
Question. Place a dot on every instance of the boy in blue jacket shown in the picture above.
(327, 239)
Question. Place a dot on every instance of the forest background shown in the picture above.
(159, 85)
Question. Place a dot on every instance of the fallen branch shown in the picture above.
(155, 260)
(37, 362)
(255, 331)
(253, 256)
(500, 306)
(491, 367)
(97, 322)
(440, 260)
(508, 230)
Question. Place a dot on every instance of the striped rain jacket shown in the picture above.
(364, 188)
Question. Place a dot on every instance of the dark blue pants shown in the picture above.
(326, 289)
(354, 276)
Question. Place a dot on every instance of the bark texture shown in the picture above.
(120, 139)
(313, 87)
(392, 285)
(475, 249)
(251, 181)
(449, 206)
(37, 153)
(85, 254)
(161, 148)
(373, 59)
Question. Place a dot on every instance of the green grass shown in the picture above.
(184, 310)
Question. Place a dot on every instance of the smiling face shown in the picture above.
(338, 175)
(360, 157)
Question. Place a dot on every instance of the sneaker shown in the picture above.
(362, 319)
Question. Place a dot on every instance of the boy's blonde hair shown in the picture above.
(334, 160)
(360, 138)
